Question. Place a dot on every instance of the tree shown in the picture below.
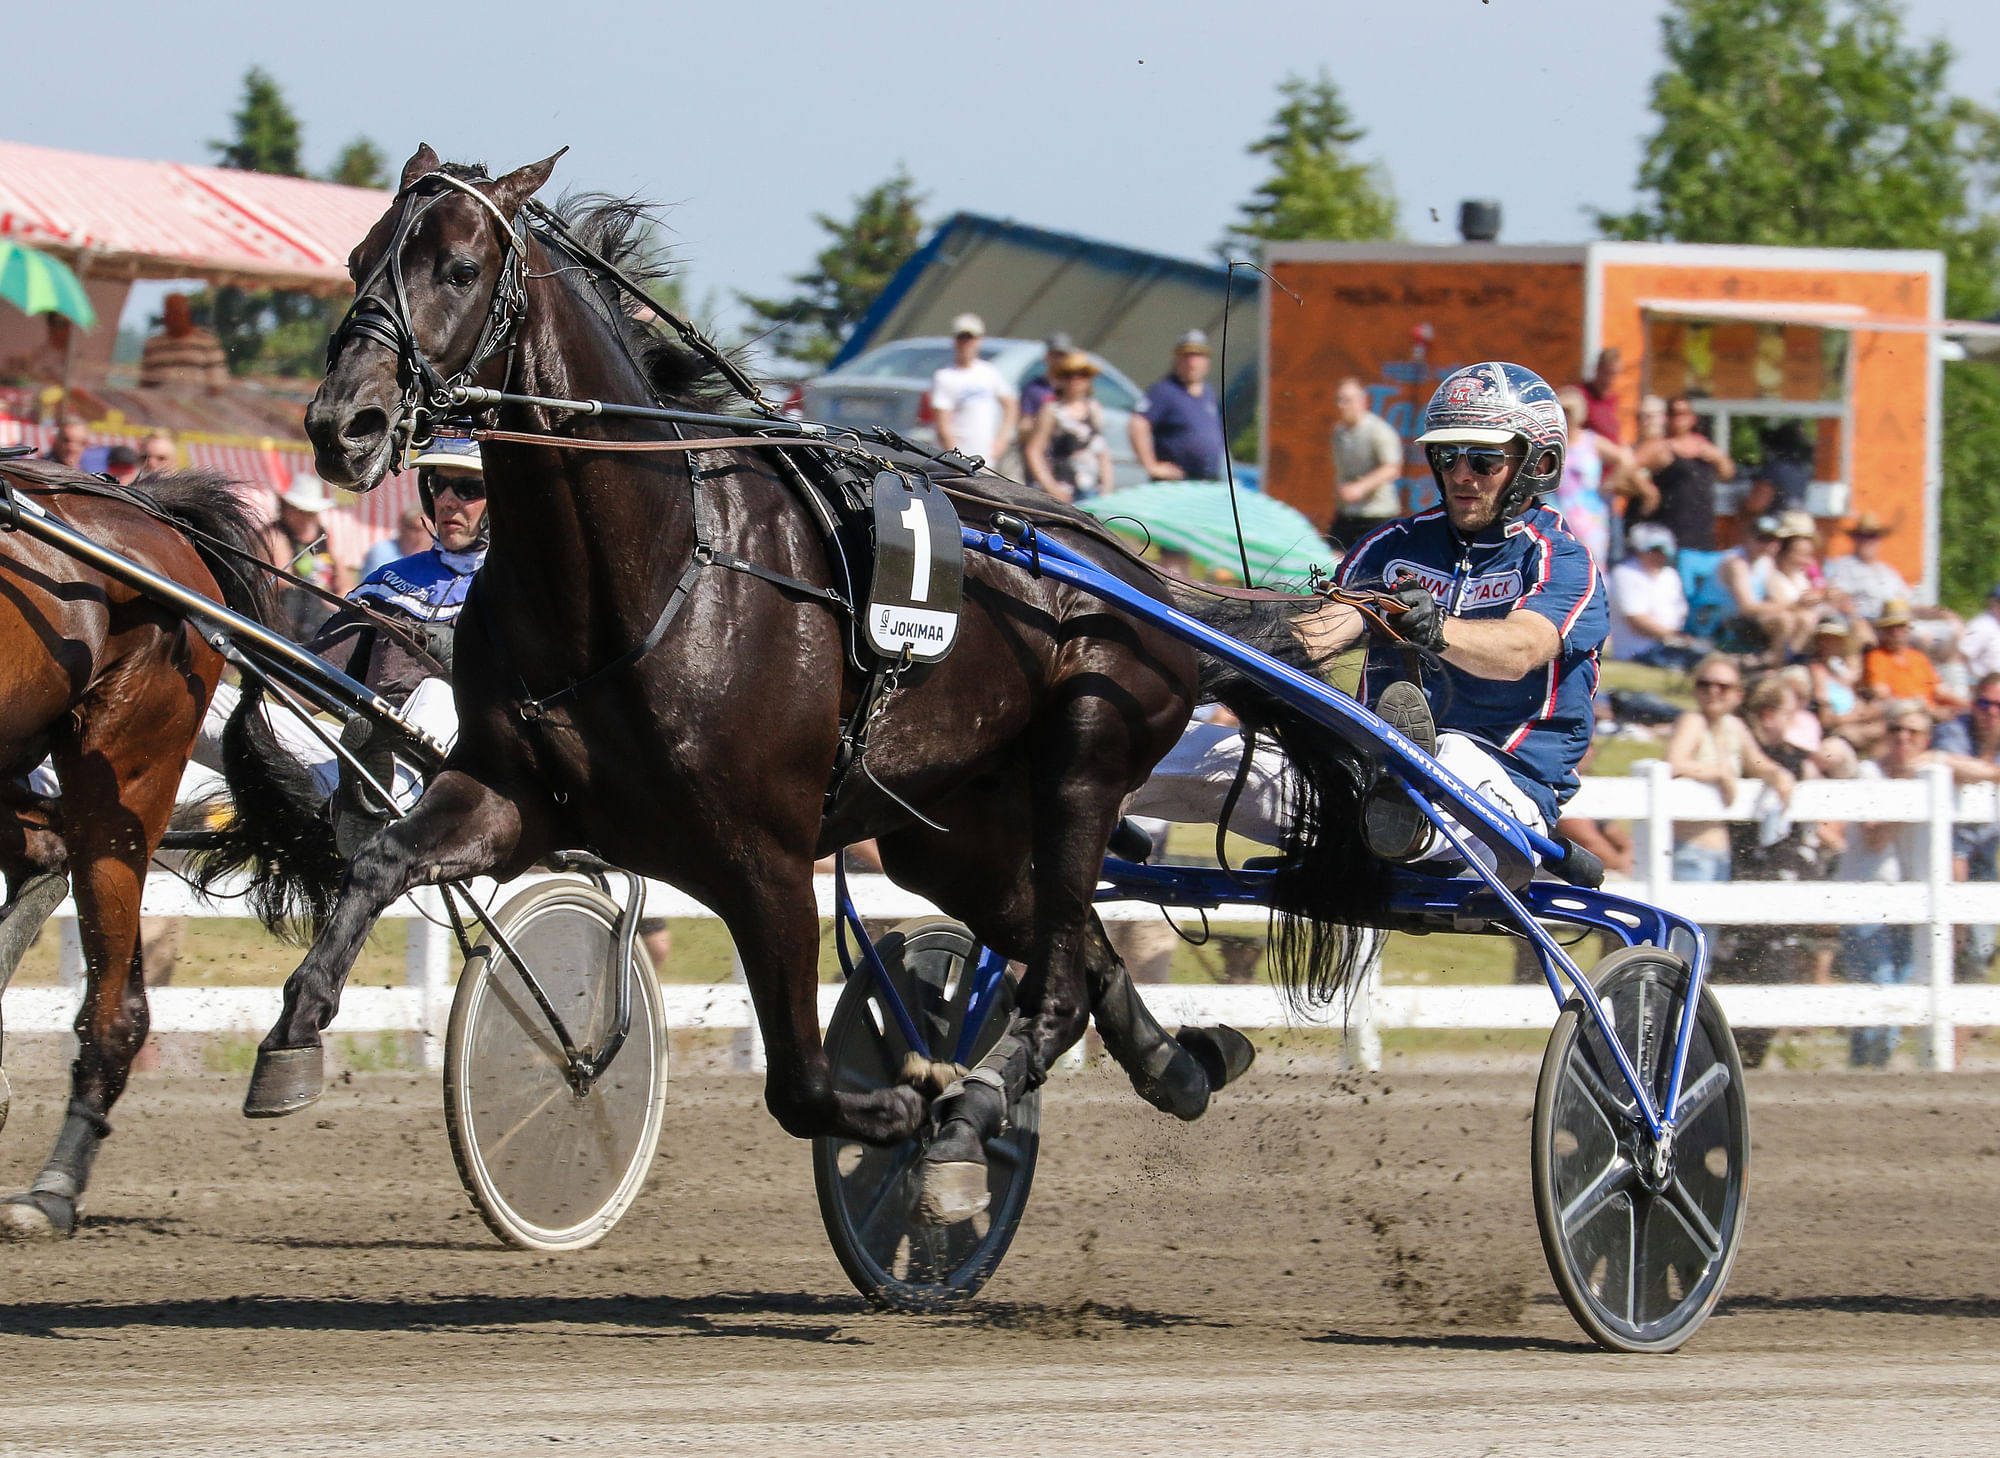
(1317, 188)
(1816, 122)
(267, 131)
(849, 274)
(360, 164)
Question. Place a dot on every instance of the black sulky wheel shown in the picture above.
(1639, 1255)
(547, 1168)
(868, 1194)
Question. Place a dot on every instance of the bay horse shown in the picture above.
(702, 756)
(112, 687)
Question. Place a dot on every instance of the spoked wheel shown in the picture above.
(548, 1168)
(868, 1194)
(1640, 1256)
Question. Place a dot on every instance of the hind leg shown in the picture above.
(35, 863)
(459, 828)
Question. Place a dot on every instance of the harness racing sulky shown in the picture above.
(710, 644)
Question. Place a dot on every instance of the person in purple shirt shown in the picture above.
(1177, 430)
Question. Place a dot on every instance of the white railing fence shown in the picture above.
(1650, 798)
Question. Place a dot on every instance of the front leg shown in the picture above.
(460, 828)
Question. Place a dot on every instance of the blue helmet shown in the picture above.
(1496, 403)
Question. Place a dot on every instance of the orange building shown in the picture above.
(1841, 343)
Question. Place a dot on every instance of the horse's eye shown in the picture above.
(461, 275)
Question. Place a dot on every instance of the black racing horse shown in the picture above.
(702, 756)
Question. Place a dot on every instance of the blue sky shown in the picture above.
(1120, 120)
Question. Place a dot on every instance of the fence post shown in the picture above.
(1654, 851)
(427, 964)
(1934, 950)
(1361, 1045)
(746, 1045)
(70, 967)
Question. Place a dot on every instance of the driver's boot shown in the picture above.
(1391, 824)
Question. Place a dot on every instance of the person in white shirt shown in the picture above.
(1980, 642)
(977, 409)
(1872, 584)
(1649, 606)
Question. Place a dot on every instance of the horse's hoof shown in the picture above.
(284, 1081)
(953, 1191)
(1224, 1054)
(36, 1216)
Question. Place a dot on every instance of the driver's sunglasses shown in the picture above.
(466, 488)
(1484, 460)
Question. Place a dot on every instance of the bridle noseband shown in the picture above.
(387, 321)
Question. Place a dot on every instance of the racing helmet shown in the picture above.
(453, 453)
(1497, 404)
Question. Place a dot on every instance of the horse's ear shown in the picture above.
(509, 192)
(422, 164)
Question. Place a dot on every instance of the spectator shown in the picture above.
(1836, 687)
(1980, 642)
(1686, 465)
(976, 407)
(295, 542)
(1067, 454)
(1600, 479)
(1649, 607)
(1177, 429)
(1784, 474)
(1971, 745)
(182, 353)
(1886, 852)
(158, 454)
(1367, 464)
(72, 439)
(1897, 669)
(1870, 584)
(412, 535)
(1600, 393)
(1796, 587)
(1041, 389)
(121, 464)
(1711, 746)
(1755, 621)
(1652, 420)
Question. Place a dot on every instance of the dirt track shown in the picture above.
(1330, 1264)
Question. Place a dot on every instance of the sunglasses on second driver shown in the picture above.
(1484, 460)
(466, 488)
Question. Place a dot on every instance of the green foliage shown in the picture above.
(1817, 122)
(360, 164)
(267, 131)
(1317, 189)
(861, 256)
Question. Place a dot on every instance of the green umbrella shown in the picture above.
(39, 284)
(1194, 517)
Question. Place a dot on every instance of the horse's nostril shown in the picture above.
(365, 425)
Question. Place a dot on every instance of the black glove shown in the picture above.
(1419, 623)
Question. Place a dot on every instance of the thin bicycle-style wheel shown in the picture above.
(1640, 1257)
(550, 1169)
(867, 1193)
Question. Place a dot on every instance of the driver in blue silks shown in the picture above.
(1497, 587)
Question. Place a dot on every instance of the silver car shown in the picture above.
(891, 385)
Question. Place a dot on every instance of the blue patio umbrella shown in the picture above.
(35, 283)
(1194, 517)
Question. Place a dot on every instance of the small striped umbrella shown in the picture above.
(38, 284)
(1194, 517)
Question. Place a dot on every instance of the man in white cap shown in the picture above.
(977, 409)
(296, 542)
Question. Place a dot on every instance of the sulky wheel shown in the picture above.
(868, 1194)
(1640, 1256)
(548, 1168)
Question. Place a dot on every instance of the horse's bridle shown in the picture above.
(386, 320)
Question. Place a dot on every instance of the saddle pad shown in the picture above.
(919, 571)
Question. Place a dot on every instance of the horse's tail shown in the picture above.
(220, 525)
(274, 823)
(1331, 884)
(275, 827)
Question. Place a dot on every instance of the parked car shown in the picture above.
(891, 385)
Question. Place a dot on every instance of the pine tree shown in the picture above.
(267, 131)
(360, 164)
(1317, 188)
(848, 275)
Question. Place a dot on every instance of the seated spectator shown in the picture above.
(1870, 584)
(158, 453)
(1836, 687)
(1897, 669)
(182, 353)
(121, 464)
(1758, 621)
(1885, 852)
(1784, 475)
(1797, 586)
(1068, 455)
(1649, 606)
(412, 535)
(1980, 642)
(1712, 746)
(1971, 745)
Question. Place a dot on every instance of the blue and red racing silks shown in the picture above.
(1540, 725)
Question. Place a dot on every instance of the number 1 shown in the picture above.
(918, 521)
